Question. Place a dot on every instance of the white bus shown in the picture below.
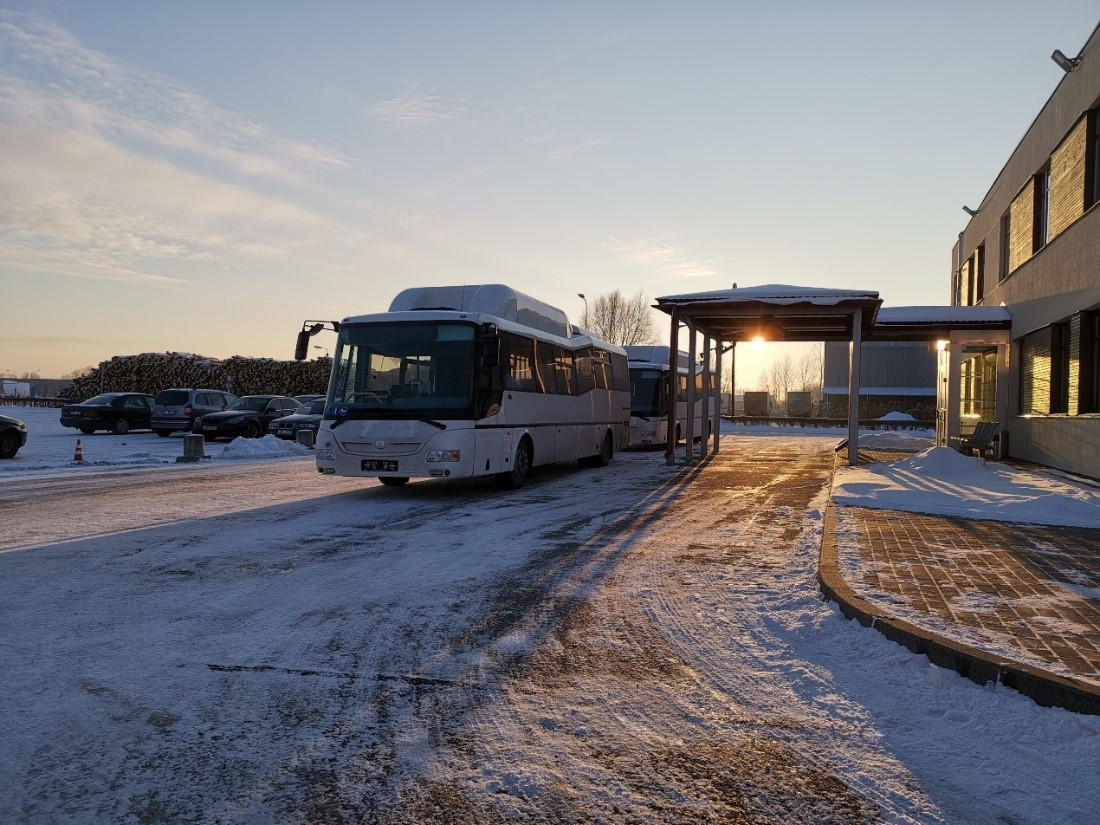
(649, 396)
(464, 381)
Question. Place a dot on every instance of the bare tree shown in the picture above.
(623, 321)
(781, 377)
(810, 372)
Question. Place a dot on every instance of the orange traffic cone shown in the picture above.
(79, 456)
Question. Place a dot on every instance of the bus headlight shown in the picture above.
(444, 455)
(324, 455)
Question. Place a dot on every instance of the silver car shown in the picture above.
(175, 410)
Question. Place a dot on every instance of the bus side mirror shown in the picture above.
(302, 346)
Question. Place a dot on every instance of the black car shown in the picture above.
(248, 416)
(118, 412)
(306, 417)
(13, 435)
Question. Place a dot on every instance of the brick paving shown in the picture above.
(1009, 595)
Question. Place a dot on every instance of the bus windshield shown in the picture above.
(646, 387)
(404, 370)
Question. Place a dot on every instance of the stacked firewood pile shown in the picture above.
(152, 372)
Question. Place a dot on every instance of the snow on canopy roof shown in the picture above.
(943, 315)
(775, 294)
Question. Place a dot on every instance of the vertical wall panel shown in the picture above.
(1022, 227)
(1035, 373)
(1067, 180)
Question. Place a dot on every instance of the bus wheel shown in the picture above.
(393, 481)
(521, 468)
(603, 458)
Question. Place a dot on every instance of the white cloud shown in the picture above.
(49, 77)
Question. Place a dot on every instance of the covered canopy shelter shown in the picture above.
(792, 314)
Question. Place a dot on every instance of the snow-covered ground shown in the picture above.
(51, 448)
(246, 641)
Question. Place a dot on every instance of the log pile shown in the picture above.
(152, 372)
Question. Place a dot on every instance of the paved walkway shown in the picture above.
(1013, 604)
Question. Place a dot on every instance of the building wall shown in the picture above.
(883, 364)
(1050, 282)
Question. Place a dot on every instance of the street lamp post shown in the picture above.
(581, 296)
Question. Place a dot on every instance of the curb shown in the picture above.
(1046, 689)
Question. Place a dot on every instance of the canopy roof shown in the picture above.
(777, 312)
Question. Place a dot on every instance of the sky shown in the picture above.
(184, 643)
(202, 177)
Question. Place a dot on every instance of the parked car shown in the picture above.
(176, 409)
(118, 412)
(306, 417)
(248, 416)
(13, 435)
(302, 399)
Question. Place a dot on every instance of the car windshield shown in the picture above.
(315, 407)
(249, 404)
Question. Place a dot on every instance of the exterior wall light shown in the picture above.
(1067, 64)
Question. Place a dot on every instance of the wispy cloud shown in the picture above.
(415, 106)
(568, 151)
(661, 257)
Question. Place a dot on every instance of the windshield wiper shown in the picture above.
(382, 413)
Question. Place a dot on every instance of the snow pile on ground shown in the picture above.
(941, 480)
(896, 416)
(267, 447)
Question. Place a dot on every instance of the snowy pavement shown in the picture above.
(246, 641)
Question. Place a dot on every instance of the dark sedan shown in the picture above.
(117, 412)
(306, 417)
(248, 416)
(13, 435)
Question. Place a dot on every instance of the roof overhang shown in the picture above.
(937, 322)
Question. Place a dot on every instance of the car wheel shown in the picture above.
(251, 430)
(87, 430)
(9, 445)
(122, 426)
(163, 433)
(521, 468)
(393, 481)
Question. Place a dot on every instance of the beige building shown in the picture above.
(1033, 246)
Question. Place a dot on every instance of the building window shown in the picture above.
(1006, 245)
(979, 273)
(1092, 160)
(1041, 223)
(1089, 388)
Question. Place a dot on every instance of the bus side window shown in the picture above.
(521, 365)
(586, 381)
(545, 371)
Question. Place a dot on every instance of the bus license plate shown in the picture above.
(379, 466)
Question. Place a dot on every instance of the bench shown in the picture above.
(985, 433)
